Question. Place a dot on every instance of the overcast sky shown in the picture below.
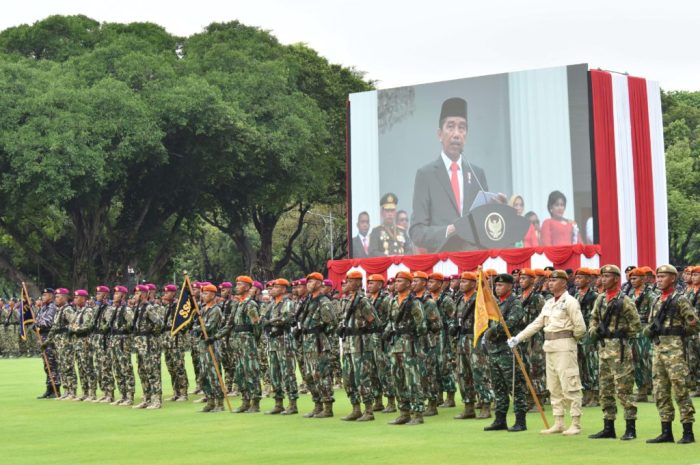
(401, 42)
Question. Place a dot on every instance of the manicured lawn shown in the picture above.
(53, 433)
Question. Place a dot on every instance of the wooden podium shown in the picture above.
(490, 226)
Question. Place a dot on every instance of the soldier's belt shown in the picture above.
(316, 330)
(558, 335)
(242, 328)
(615, 335)
(675, 331)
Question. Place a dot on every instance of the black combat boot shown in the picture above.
(498, 424)
(608, 431)
(688, 435)
(630, 430)
(520, 424)
(665, 436)
(46, 394)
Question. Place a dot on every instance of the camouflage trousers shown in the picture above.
(263, 361)
(359, 377)
(336, 369)
(103, 362)
(384, 376)
(282, 374)
(670, 371)
(616, 378)
(194, 352)
(10, 340)
(52, 358)
(446, 365)
(407, 376)
(227, 362)
(120, 346)
(86, 366)
(430, 371)
(208, 379)
(318, 375)
(148, 358)
(692, 349)
(641, 354)
(247, 371)
(507, 382)
(465, 378)
(538, 363)
(481, 371)
(66, 362)
(174, 352)
(588, 363)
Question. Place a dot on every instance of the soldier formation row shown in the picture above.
(410, 342)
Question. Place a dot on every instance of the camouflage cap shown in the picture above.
(561, 274)
(667, 269)
(612, 269)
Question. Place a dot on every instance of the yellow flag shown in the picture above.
(485, 309)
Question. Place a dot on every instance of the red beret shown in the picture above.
(403, 275)
(226, 285)
(315, 275)
(328, 282)
(258, 284)
(437, 276)
(170, 288)
(376, 277)
(141, 288)
(81, 293)
(102, 288)
(244, 279)
(62, 291)
(196, 285)
(151, 287)
(121, 289)
(301, 282)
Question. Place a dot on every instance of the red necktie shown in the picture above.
(364, 244)
(454, 168)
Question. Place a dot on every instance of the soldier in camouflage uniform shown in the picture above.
(256, 294)
(301, 298)
(227, 361)
(174, 347)
(429, 343)
(212, 318)
(80, 330)
(380, 300)
(4, 325)
(692, 342)
(11, 323)
(671, 319)
(120, 321)
(242, 329)
(642, 296)
(472, 362)
(614, 322)
(100, 348)
(501, 358)
(406, 325)
(61, 341)
(277, 323)
(357, 328)
(44, 320)
(193, 342)
(533, 302)
(315, 326)
(147, 327)
(587, 351)
(446, 361)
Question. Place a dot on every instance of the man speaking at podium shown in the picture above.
(446, 187)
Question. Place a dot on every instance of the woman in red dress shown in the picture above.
(558, 230)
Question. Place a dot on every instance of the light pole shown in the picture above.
(328, 223)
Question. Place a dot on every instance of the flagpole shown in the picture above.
(211, 352)
(38, 335)
(516, 352)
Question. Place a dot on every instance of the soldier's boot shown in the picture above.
(484, 411)
(558, 426)
(80, 398)
(390, 405)
(201, 400)
(318, 408)
(688, 435)
(519, 425)
(181, 396)
(218, 404)
(630, 430)
(243, 408)
(499, 423)
(209, 407)
(574, 428)
(46, 393)
(642, 395)
(369, 413)
(118, 401)
(416, 419)
(254, 406)
(108, 397)
(594, 399)
(450, 401)
(327, 411)
(91, 397)
(665, 436)
(155, 403)
(467, 413)
(441, 398)
(70, 396)
(174, 397)
(378, 404)
(144, 403)
(608, 431)
(402, 419)
(129, 400)
(431, 410)
(354, 415)
(277, 409)
(291, 408)
(53, 395)
(586, 398)
(97, 401)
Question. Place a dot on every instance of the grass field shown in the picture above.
(50, 432)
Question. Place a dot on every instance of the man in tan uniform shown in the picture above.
(563, 325)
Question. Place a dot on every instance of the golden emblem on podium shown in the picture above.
(495, 226)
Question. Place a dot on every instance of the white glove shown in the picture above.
(513, 341)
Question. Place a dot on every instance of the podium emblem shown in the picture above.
(495, 226)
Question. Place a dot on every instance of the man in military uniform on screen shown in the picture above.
(445, 188)
(389, 238)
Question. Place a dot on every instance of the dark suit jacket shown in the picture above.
(357, 250)
(434, 205)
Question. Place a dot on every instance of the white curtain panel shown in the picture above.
(658, 164)
(497, 264)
